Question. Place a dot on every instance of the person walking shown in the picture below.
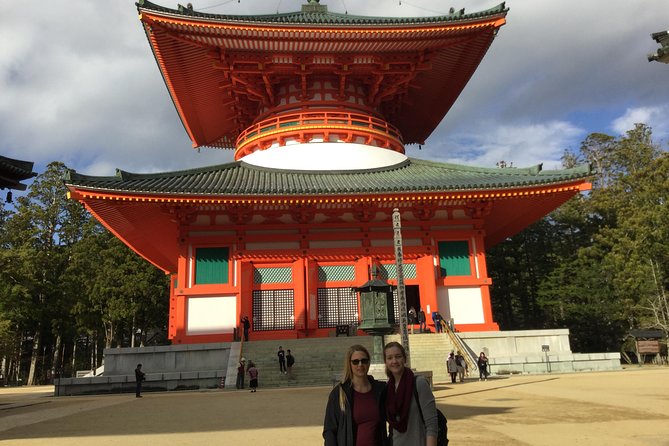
(354, 415)
(410, 407)
(253, 377)
(482, 364)
(282, 360)
(462, 366)
(452, 367)
(422, 327)
(240, 373)
(139, 378)
(290, 361)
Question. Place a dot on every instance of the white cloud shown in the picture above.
(522, 144)
(655, 117)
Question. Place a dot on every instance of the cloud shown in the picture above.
(522, 144)
(654, 117)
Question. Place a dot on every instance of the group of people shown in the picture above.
(359, 406)
(286, 362)
(250, 368)
(418, 317)
(457, 366)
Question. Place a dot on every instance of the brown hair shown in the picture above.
(389, 346)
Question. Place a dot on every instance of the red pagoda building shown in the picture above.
(318, 108)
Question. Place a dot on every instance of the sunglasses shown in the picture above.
(363, 361)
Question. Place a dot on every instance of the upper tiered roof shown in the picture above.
(413, 68)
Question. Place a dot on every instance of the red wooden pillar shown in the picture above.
(300, 293)
(311, 293)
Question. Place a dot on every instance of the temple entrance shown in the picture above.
(413, 300)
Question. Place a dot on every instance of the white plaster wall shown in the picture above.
(324, 156)
(463, 304)
(211, 315)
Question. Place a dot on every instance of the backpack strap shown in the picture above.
(415, 394)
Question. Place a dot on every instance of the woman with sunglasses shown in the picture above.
(354, 414)
(411, 414)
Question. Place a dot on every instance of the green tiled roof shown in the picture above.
(320, 16)
(242, 179)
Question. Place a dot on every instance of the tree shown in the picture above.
(38, 237)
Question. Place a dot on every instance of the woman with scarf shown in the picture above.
(354, 415)
(412, 415)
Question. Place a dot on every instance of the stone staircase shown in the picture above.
(429, 351)
(319, 360)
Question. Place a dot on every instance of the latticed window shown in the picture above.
(396, 306)
(273, 310)
(337, 306)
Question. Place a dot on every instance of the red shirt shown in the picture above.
(366, 417)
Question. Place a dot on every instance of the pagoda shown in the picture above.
(318, 108)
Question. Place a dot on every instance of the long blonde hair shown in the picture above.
(348, 374)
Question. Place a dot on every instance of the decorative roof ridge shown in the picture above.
(325, 17)
(122, 175)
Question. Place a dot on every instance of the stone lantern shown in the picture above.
(377, 313)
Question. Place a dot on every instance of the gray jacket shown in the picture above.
(417, 432)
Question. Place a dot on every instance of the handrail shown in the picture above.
(324, 118)
(470, 359)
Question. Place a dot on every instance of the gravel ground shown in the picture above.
(628, 407)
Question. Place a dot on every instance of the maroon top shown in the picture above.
(366, 417)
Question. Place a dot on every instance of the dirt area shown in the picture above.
(629, 407)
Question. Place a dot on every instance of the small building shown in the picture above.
(318, 108)
(12, 172)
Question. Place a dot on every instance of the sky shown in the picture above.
(79, 84)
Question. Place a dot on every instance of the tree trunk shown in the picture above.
(56, 364)
(34, 357)
(74, 357)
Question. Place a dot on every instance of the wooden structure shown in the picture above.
(318, 108)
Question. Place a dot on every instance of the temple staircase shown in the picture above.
(319, 361)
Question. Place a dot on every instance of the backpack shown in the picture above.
(442, 426)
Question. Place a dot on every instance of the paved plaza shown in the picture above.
(628, 407)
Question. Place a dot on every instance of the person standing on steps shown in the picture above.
(253, 377)
(282, 360)
(246, 324)
(422, 327)
(139, 377)
(290, 361)
(412, 318)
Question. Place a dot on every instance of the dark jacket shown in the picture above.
(338, 429)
